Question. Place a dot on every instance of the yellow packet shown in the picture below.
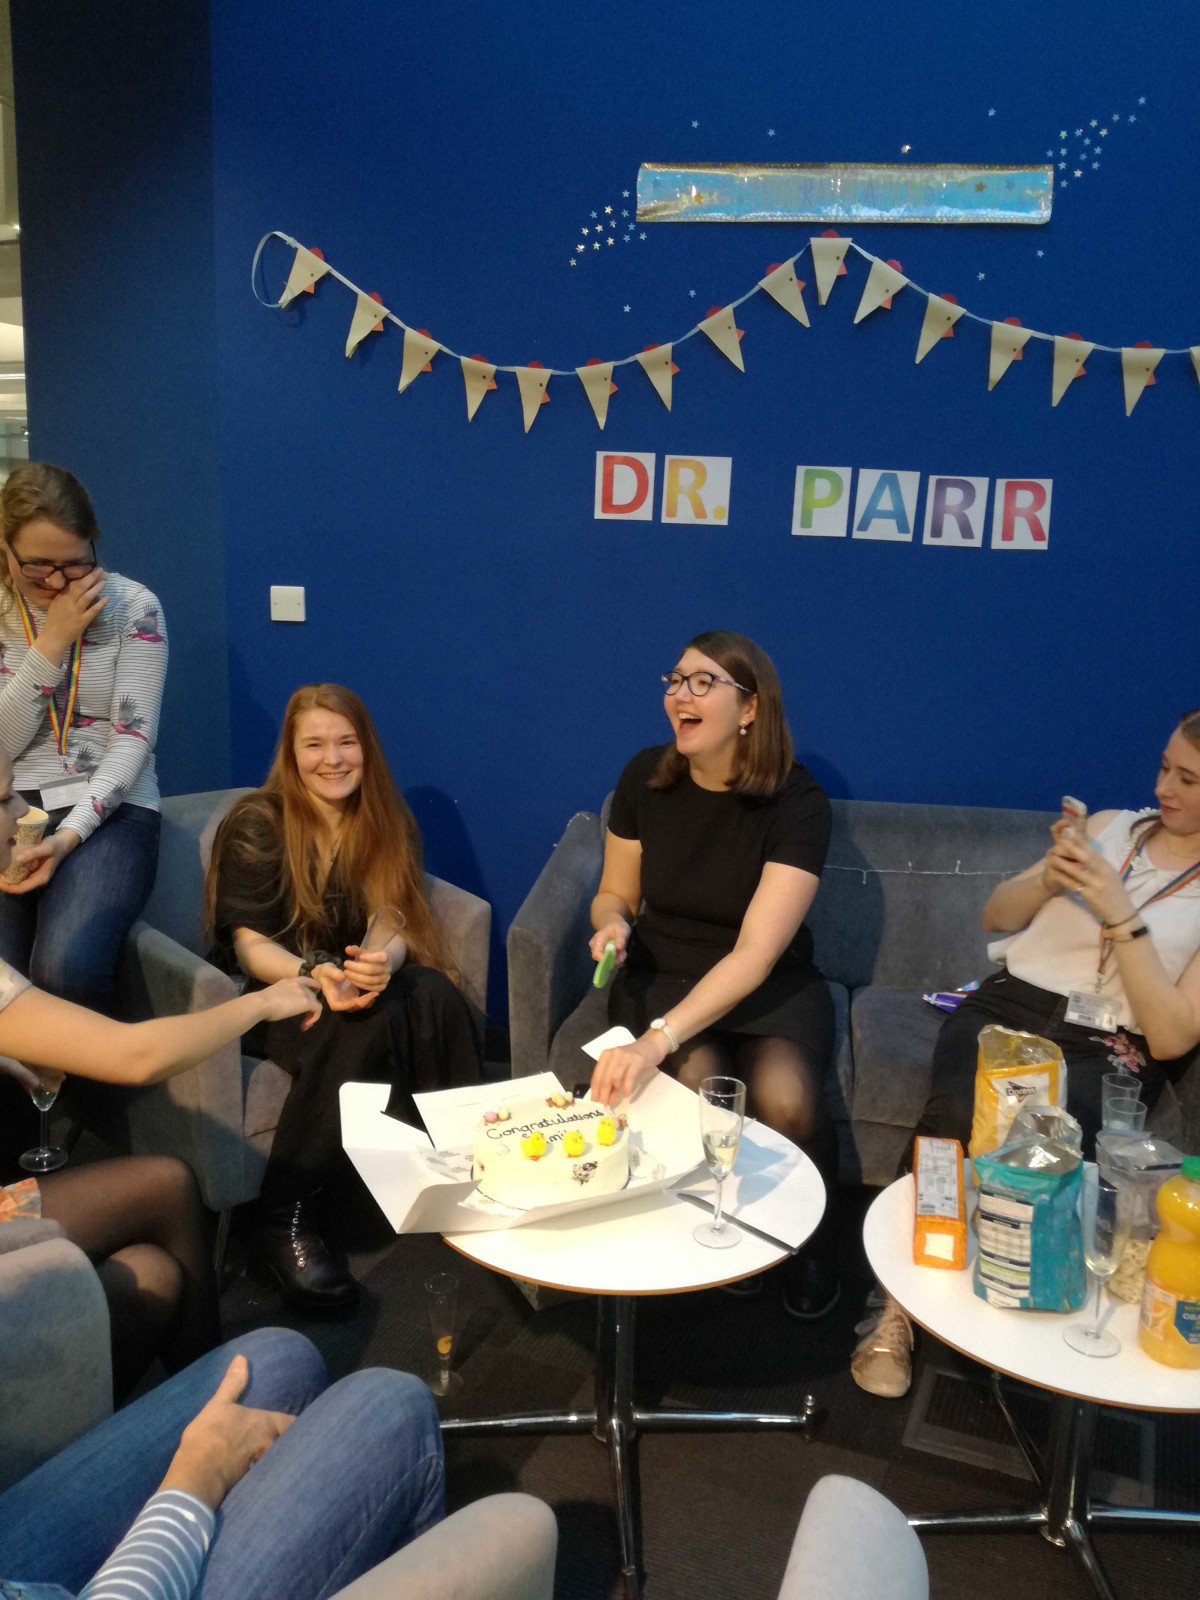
(1015, 1069)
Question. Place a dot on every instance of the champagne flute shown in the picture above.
(385, 925)
(1104, 1214)
(442, 1289)
(46, 1157)
(722, 1112)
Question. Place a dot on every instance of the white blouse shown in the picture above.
(1060, 948)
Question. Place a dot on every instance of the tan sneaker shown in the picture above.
(882, 1360)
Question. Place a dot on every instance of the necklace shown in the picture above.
(1180, 855)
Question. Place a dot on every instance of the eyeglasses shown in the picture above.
(39, 571)
(698, 683)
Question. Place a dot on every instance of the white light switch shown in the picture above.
(287, 603)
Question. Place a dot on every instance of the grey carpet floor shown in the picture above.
(720, 1510)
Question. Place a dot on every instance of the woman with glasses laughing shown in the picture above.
(83, 656)
(713, 855)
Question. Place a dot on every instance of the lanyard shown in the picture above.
(59, 722)
(1181, 881)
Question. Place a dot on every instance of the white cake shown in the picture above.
(541, 1152)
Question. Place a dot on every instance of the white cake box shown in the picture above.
(421, 1180)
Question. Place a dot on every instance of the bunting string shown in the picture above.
(827, 254)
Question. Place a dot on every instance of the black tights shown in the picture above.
(783, 1090)
(140, 1220)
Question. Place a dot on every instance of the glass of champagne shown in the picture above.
(1104, 1213)
(46, 1157)
(385, 925)
(442, 1289)
(722, 1112)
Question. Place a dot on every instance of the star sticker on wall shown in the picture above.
(599, 227)
(609, 239)
(904, 149)
(1116, 116)
(1049, 152)
(596, 246)
(627, 308)
(641, 235)
(1062, 133)
(1078, 133)
(1104, 133)
(1061, 165)
(980, 275)
(583, 230)
(1095, 166)
(1062, 150)
(624, 238)
(1141, 99)
(1041, 252)
(571, 261)
(1092, 123)
(770, 133)
(992, 111)
(612, 224)
(624, 194)
(580, 247)
(695, 124)
(608, 211)
(1131, 117)
(1063, 184)
(691, 294)
(1087, 141)
(593, 213)
(1078, 173)
(624, 211)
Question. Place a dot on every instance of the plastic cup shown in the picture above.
(29, 832)
(1118, 1086)
(1125, 1114)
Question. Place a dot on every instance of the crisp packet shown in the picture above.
(950, 999)
(1030, 1255)
(1015, 1069)
(1049, 1123)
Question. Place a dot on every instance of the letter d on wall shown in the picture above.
(821, 504)
(624, 487)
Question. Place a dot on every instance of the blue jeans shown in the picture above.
(67, 937)
(357, 1475)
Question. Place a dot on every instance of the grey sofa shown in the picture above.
(220, 1116)
(55, 1368)
(897, 914)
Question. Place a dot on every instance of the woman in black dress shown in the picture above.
(723, 836)
(298, 868)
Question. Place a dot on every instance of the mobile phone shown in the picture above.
(605, 965)
(1074, 813)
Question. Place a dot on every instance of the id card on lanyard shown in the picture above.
(1094, 1010)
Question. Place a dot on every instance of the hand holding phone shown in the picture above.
(1075, 815)
(605, 965)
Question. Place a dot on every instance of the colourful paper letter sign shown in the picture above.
(886, 504)
(696, 489)
(624, 487)
(1021, 514)
(822, 502)
(954, 512)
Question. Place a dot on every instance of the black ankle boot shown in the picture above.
(288, 1246)
(811, 1287)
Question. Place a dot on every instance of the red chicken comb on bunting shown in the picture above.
(595, 361)
(832, 233)
(645, 347)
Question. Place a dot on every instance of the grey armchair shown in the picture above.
(220, 1117)
(853, 1543)
(54, 1359)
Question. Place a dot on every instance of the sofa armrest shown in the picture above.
(853, 1542)
(198, 1115)
(501, 1548)
(466, 924)
(548, 960)
(54, 1353)
(20, 1231)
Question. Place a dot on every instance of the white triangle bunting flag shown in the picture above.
(419, 351)
(368, 314)
(828, 258)
(721, 328)
(478, 377)
(307, 267)
(655, 361)
(940, 317)
(782, 284)
(1194, 352)
(1069, 356)
(882, 283)
(532, 381)
(1008, 340)
(1137, 369)
(596, 378)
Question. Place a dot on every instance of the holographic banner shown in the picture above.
(843, 192)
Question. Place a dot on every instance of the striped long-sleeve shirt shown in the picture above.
(111, 741)
(158, 1559)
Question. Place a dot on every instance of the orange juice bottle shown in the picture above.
(1169, 1329)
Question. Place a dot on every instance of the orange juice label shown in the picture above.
(1163, 1312)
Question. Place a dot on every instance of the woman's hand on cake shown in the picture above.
(624, 1071)
(369, 970)
(616, 929)
(338, 994)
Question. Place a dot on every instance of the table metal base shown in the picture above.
(1067, 1515)
(616, 1422)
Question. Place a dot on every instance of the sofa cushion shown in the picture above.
(892, 1034)
(265, 1086)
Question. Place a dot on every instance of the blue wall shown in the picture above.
(509, 644)
(114, 141)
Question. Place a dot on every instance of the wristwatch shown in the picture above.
(661, 1025)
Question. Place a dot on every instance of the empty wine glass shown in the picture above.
(442, 1289)
(386, 924)
(1104, 1215)
(722, 1112)
(46, 1157)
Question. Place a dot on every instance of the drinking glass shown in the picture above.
(1118, 1085)
(1104, 1212)
(385, 925)
(442, 1289)
(722, 1112)
(46, 1157)
(1125, 1114)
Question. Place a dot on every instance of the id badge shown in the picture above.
(65, 792)
(1092, 1011)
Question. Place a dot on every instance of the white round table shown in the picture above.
(620, 1252)
(1029, 1345)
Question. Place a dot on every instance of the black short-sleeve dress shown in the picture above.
(703, 852)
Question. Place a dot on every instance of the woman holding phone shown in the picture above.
(139, 1218)
(721, 836)
(1102, 957)
(299, 870)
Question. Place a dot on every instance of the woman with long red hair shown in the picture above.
(299, 870)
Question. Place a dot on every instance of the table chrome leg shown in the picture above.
(615, 1425)
(523, 1422)
(1030, 1451)
(1072, 1429)
(1141, 1517)
(977, 1521)
(1076, 1536)
(714, 1421)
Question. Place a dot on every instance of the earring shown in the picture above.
(744, 729)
